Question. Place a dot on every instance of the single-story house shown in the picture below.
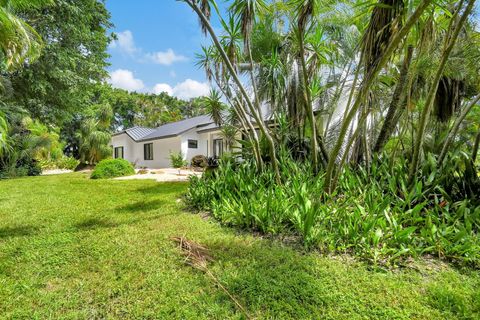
(151, 147)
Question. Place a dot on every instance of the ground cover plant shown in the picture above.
(375, 214)
(359, 124)
(82, 248)
(111, 168)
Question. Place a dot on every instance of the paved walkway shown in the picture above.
(162, 175)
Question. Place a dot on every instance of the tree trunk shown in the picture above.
(454, 130)
(308, 102)
(475, 147)
(398, 98)
(244, 93)
(366, 86)
(449, 43)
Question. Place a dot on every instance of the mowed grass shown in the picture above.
(75, 248)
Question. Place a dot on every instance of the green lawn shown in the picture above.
(74, 248)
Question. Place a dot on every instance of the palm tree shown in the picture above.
(367, 82)
(204, 18)
(19, 42)
(4, 140)
(215, 107)
(93, 142)
(229, 133)
(452, 34)
(398, 97)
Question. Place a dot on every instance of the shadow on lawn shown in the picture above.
(141, 206)
(19, 231)
(94, 223)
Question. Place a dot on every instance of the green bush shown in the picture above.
(176, 160)
(64, 162)
(68, 163)
(373, 214)
(111, 168)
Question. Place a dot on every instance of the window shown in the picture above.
(217, 148)
(118, 152)
(148, 151)
(192, 144)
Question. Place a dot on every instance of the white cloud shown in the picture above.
(173, 74)
(124, 42)
(162, 87)
(166, 58)
(184, 90)
(124, 79)
(190, 89)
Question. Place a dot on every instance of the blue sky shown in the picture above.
(156, 46)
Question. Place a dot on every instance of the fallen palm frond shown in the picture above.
(198, 257)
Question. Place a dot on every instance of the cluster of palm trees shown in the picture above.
(347, 81)
(19, 43)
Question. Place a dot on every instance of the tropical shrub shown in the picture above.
(68, 163)
(374, 214)
(176, 160)
(111, 168)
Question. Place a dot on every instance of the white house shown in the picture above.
(150, 148)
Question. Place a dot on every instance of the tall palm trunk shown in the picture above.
(449, 44)
(398, 98)
(455, 128)
(475, 147)
(237, 81)
(365, 87)
(308, 101)
(246, 125)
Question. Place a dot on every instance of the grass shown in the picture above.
(75, 248)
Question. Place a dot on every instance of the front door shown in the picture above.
(217, 148)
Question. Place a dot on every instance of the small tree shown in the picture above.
(176, 160)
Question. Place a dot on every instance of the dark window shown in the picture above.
(192, 144)
(148, 151)
(118, 152)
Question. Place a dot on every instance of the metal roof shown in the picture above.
(136, 133)
(175, 128)
(202, 123)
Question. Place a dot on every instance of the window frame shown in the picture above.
(148, 151)
(116, 152)
(218, 143)
(192, 141)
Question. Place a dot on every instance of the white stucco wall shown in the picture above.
(124, 140)
(202, 143)
(133, 151)
(161, 152)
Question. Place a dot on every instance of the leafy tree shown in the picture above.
(59, 83)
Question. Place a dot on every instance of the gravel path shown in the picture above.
(162, 175)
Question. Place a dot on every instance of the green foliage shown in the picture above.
(114, 236)
(374, 214)
(61, 82)
(111, 168)
(176, 160)
(18, 40)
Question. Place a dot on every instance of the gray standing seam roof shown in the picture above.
(167, 130)
(175, 128)
(137, 133)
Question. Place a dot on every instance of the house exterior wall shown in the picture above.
(124, 140)
(202, 144)
(134, 151)
(161, 152)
